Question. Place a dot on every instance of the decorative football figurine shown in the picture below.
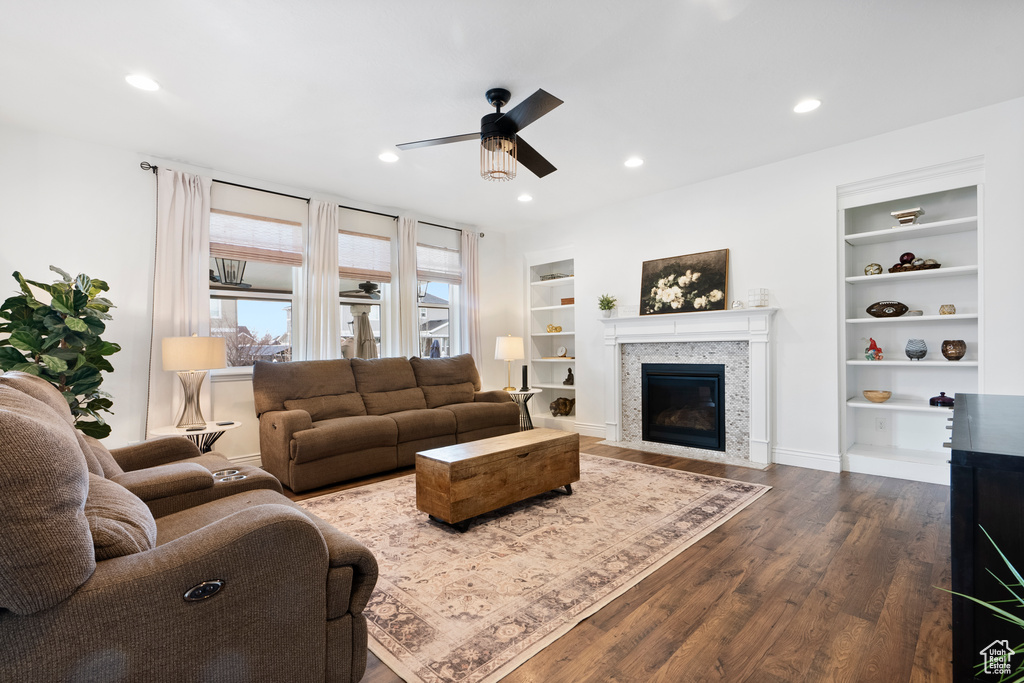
(887, 309)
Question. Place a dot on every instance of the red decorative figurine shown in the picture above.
(873, 352)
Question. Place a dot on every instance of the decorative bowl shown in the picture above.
(953, 349)
(876, 396)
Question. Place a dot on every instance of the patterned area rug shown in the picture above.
(472, 607)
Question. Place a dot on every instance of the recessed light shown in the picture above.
(142, 82)
(806, 106)
(633, 162)
(389, 157)
(525, 198)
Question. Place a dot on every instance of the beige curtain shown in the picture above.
(408, 304)
(181, 287)
(469, 297)
(316, 314)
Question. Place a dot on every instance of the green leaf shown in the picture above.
(63, 302)
(27, 339)
(63, 274)
(95, 325)
(55, 365)
(9, 357)
(84, 283)
(30, 368)
(109, 349)
(96, 430)
(76, 324)
(98, 286)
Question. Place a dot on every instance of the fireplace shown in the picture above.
(684, 404)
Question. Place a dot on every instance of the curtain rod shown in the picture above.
(146, 166)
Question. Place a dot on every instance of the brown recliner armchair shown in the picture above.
(93, 587)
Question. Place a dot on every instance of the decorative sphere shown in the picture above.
(907, 257)
(872, 269)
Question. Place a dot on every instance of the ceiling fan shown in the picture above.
(501, 148)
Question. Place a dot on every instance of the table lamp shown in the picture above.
(509, 349)
(191, 357)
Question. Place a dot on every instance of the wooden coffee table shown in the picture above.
(458, 482)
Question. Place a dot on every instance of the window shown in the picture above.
(439, 271)
(253, 261)
(364, 269)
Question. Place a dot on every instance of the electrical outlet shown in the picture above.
(881, 424)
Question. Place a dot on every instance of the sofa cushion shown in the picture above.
(343, 435)
(41, 390)
(328, 407)
(385, 402)
(438, 371)
(91, 463)
(120, 522)
(95, 448)
(274, 383)
(46, 550)
(382, 374)
(414, 425)
(446, 394)
(473, 416)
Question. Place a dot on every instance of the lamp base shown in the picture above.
(511, 389)
(191, 414)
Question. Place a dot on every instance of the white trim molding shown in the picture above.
(753, 325)
(829, 462)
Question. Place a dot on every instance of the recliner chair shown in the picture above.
(93, 587)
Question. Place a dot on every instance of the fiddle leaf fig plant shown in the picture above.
(60, 342)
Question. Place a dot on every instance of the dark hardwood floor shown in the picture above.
(827, 577)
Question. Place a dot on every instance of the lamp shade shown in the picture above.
(193, 353)
(509, 348)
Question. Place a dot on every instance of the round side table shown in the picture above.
(522, 398)
(204, 438)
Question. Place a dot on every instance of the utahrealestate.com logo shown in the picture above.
(996, 658)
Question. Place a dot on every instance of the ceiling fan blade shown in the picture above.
(532, 108)
(531, 159)
(439, 141)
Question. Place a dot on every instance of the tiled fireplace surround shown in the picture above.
(739, 339)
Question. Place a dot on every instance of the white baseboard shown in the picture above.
(251, 459)
(587, 429)
(814, 461)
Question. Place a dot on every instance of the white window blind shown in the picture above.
(364, 257)
(255, 238)
(438, 264)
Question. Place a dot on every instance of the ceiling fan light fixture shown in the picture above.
(388, 157)
(498, 158)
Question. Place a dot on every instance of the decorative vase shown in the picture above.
(606, 313)
(941, 400)
(916, 349)
(947, 309)
(954, 349)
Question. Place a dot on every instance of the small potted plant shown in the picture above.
(606, 302)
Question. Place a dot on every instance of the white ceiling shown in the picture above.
(309, 92)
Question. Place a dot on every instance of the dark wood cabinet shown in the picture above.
(987, 491)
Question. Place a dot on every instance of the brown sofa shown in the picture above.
(94, 587)
(323, 422)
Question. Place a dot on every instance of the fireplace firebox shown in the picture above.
(684, 404)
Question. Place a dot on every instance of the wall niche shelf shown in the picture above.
(543, 301)
(904, 436)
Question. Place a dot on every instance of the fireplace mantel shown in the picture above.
(753, 325)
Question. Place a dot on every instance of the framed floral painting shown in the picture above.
(684, 284)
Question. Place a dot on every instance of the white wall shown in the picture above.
(779, 223)
(89, 208)
(85, 208)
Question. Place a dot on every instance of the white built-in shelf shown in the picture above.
(567, 307)
(554, 360)
(564, 334)
(899, 454)
(916, 318)
(552, 283)
(915, 363)
(561, 418)
(905, 404)
(897, 234)
(952, 271)
(560, 387)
